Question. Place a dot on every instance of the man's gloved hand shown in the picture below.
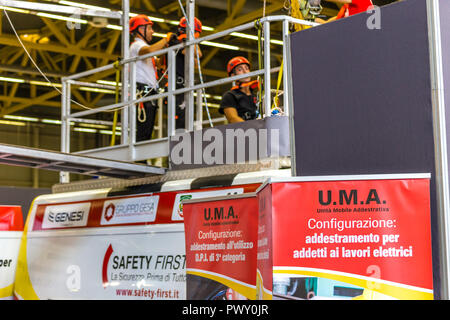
(171, 38)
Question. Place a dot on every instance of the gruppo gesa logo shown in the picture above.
(109, 211)
(130, 210)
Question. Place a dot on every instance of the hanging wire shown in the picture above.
(32, 60)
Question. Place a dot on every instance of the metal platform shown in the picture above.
(59, 161)
(260, 169)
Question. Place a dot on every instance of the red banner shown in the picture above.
(138, 209)
(11, 218)
(221, 247)
(373, 235)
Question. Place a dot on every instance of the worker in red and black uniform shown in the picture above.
(349, 8)
(239, 103)
(146, 73)
(180, 109)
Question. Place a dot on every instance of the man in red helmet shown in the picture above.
(146, 73)
(239, 103)
(180, 109)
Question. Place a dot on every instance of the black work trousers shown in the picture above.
(145, 118)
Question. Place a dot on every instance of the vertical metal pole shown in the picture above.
(125, 70)
(189, 66)
(35, 145)
(199, 113)
(440, 142)
(288, 100)
(159, 131)
(159, 161)
(171, 97)
(132, 113)
(64, 177)
(267, 93)
(285, 74)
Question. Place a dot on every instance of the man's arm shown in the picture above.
(340, 1)
(161, 44)
(232, 115)
(319, 20)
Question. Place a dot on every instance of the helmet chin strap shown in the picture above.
(144, 36)
(252, 84)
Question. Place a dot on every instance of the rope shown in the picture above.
(305, 10)
(34, 63)
(275, 104)
(297, 13)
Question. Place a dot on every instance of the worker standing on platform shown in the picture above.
(146, 73)
(349, 8)
(239, 103)
(180, 110)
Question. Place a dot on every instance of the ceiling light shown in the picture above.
(219, 45)
(109, 83)
(114, 27)
(110, 132)
(85, 130)
(98, 90)
(51, 121)
(244, 35)
(13, 123)
(15, 9)
(57, 17)
(12, 79)
(93, 125)
(8, 116)
(44, 83)
(279, 42)
(212, 105)
(82, 5)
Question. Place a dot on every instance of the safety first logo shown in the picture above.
(66, 216)
(144, 275)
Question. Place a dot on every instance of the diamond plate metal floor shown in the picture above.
(59, 161)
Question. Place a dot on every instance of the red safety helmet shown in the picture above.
(139, 20)
(233, 63)
(197, 24)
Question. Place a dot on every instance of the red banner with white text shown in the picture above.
(362, 239)
(221, 248)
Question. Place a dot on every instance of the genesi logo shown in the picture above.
(66, 216)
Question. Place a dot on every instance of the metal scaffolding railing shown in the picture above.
(129, 149)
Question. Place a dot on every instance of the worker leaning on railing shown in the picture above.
(239, 103)
(146, 73)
